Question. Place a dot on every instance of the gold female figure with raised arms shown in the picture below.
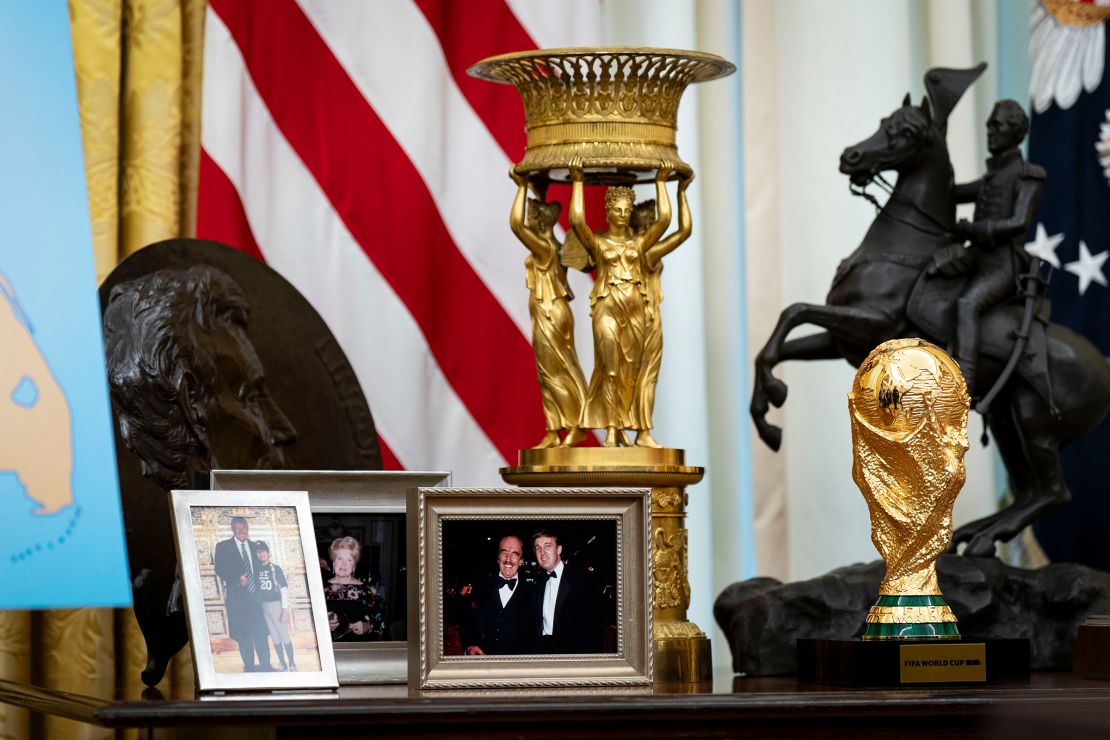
(562, 384)
(643, 395)
(624, 309)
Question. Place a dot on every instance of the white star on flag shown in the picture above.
(1044, 246)
(1088, 268)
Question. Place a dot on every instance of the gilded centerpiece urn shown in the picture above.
(908, 407)
(616, 108)
(608, 117)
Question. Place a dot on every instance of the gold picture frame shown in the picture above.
(225, 612)
(349, 493)
(443, 522)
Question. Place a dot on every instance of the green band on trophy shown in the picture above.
(904, 631)
(910, 616)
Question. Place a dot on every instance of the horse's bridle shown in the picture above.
(877, 178)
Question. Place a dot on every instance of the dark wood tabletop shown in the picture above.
(1051, 705)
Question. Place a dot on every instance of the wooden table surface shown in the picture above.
(1052, 705)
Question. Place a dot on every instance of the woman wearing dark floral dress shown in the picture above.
(355, 609)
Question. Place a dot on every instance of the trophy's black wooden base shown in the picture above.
(912, 662)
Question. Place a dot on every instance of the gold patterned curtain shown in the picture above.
(138, 84)
(138, 66)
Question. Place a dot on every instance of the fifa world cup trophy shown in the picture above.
(909, 407)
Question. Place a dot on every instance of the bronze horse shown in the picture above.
(877, 295)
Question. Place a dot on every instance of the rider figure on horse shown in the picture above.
(1005, 199)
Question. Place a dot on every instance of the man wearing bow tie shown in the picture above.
(569, 602)
(503, 618)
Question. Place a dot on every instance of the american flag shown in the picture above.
(1070, 138)
(344, 145)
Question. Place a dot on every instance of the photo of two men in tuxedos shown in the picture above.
(544, 596)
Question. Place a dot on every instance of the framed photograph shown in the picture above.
(529, 587)
(253, 593)
(361, 514)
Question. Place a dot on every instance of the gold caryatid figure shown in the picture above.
(624, 304)
(562, 384)
(908, 407)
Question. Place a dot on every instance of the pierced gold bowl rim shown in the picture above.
(482, 69)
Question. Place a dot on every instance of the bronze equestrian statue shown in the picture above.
(1054, 388)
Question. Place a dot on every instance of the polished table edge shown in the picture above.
(432, 708)
(49, 701)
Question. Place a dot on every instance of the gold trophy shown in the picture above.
(607, 117)
(909, 407)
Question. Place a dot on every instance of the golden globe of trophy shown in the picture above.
(607, 117)
(909, 407)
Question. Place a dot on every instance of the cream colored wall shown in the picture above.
(823, 74)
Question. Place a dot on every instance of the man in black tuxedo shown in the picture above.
(569, 602)
(504, 619)
(236, 563)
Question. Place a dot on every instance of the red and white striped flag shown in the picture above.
(344, 145)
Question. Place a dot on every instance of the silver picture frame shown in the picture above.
(430, 509)
(347, 492)
(203, 513)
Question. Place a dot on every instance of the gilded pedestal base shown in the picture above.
(683, 660)
(682, 651)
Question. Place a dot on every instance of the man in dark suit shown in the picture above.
(504, 619)
(569, 602)
(236, 563)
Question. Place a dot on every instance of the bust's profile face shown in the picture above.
(246, 429)
(187, 384)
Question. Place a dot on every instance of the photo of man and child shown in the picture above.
(256, 595)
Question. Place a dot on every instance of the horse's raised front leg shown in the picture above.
(845, 321)
(814, 347)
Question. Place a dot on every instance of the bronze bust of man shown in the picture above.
(186, 382)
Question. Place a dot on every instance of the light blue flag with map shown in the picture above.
(61, 525)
